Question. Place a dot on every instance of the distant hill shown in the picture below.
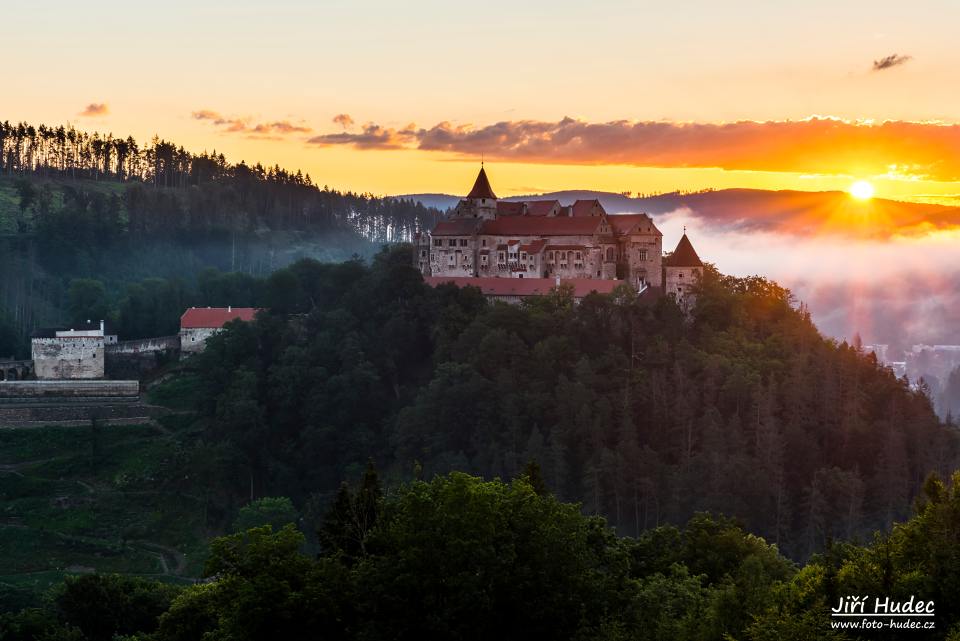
(758, 209)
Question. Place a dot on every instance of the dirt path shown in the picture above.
(163, 551)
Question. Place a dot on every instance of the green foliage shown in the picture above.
(102, 606)
(643, 416)
(275, 512)
(88, 301)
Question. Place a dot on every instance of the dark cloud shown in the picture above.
(344, 120)
(271, 130)
(373, 136)
(893, 60)
(813, 145)
(95, 109)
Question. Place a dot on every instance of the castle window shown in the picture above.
(642, 254)
(483, 259)
(463, 242)
(437, 242)
(579, 256)
(501, 256)
(484, 242)
(681, 275)
(550, 256)
(423, 254)
(452, 242)
(609, 254)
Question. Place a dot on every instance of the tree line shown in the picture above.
(460, 558)
(78, 205)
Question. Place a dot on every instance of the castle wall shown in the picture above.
(679, 283)
(158, 344)
(649, 269)
(136, 358)
(68, 389)
(458, 260)
(68, 358)
(193, 340)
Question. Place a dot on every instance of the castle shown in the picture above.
(485, 238)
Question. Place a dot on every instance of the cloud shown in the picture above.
(273, 129)
(892, 60)
(813, 145)
(344, 120)
(373, 136)
(808, 214)
(95, 109)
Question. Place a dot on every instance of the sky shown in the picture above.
(440, 84)
(394, 98)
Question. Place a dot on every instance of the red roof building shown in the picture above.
(215, 317)
(484, 239)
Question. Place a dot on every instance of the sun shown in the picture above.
(861, 190)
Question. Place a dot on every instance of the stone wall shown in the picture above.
(68, 358)
(144, 345)
(679, 283)
(77, 415)
(193, 340)
(68, 389)
(135, 359)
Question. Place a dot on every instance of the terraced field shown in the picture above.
(89, 499)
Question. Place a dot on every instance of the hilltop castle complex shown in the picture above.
(487, 238)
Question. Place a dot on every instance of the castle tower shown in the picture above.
(481, 202)
(682, 270)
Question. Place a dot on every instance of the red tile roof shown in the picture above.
(526, 286)
(540, 226)
(684, 255)
(215, 317)
(535, 247)
(481, 188)
(541, 207)
(585, 207)
(627, 223)
(506, 208)
(456, 227)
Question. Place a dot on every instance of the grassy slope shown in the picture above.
(75, 501)
(10, 200)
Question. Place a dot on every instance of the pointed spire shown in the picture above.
(481, 188)
(685, 255)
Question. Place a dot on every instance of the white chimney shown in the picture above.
(103, 330)
(229, 308)
(558, 280)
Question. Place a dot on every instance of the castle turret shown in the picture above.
(682, 270)
(481, 202)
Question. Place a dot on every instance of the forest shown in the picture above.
(629, 408)
(76, 205)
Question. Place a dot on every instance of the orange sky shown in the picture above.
(660, 96)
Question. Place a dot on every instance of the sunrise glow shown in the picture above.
(861, 190)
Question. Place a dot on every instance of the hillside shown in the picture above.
(639, 415)
(131, 221)
(78, 500)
